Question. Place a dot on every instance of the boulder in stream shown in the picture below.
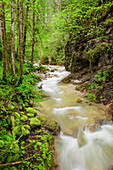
(66, 79)
(81, 138)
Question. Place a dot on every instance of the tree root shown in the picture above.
(14, 163)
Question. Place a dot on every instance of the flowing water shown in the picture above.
(81, 145)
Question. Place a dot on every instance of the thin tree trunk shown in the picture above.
(21, 41)
(33, 39)
(12, 38)
(25, 30)
(3, 38)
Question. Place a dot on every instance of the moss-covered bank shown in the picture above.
(26, 139)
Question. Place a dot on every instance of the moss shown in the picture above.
(14, 148)
(34, 122)
(17, 130)
(1, 143)
(26, 104)
(30, 115)
(10, 107)
(17, 114)
(25, 131)
(51, 125)
(43, 94)
(31, 110)
(22, 113)
(27, 127)
(24, 118)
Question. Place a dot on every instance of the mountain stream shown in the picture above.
(82, 144)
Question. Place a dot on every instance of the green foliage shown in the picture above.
(92, 97)
(111, 94)
(101, 76)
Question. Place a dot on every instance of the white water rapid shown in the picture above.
(79, 148)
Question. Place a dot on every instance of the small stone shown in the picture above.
(76, 82)
(79, 100)
(92, 128)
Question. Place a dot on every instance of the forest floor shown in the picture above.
(26, 139)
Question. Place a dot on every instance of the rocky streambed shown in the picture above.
(85, 139)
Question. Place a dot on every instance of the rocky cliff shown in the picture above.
(91, 50)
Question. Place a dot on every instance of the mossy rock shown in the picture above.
(31, 110)
(34, 122)
(25, 131)
(1, 143)
(50, 125)
(42, 94)
(30, 115)
(24, 118)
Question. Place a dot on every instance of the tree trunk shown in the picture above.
(20, 41)
(25, 30)
(12, 38)
(4, 42)
(33, 39)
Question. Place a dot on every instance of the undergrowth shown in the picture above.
(23, 145)
(101, 90)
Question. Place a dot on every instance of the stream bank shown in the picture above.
(26, 138)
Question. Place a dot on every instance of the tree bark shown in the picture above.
(4, 40)
(12, 38)
(33, 39)
(25, 30)
(20, 40)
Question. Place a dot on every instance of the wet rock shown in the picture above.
(92, 127)
(67, 79)
(52, 69)
(81, 138)
(49, 76)
(76, 82)
(40, 87)
(43, 94)
(41, 76)
(79, 100)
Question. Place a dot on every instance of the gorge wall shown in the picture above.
(91, 50)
